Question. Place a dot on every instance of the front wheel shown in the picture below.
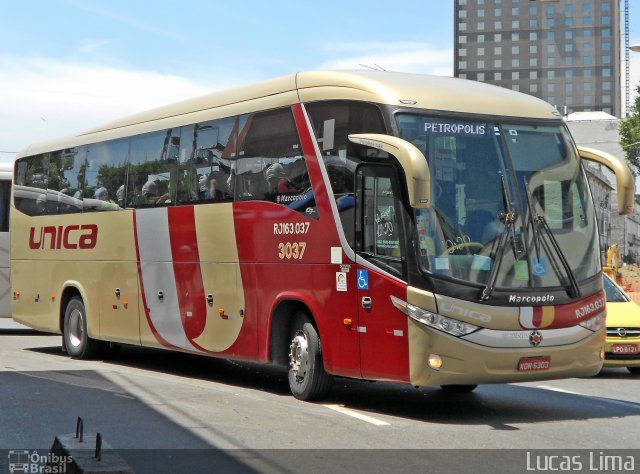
(307, 378)
(76, 338)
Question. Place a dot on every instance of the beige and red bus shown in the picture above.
(366, 224)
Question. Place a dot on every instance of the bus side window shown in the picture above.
(271, 165)
(31, 177)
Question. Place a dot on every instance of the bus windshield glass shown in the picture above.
(510, 204)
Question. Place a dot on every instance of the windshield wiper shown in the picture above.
(538, 222)
(508, 216)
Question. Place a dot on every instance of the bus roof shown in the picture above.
(433, 93)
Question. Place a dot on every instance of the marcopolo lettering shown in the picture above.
(457, 128)
(531, 299)
(64, 237)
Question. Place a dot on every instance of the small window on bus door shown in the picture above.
(378, 218)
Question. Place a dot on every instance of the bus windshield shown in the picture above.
(510, 204)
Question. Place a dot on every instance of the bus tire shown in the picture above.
(458, 388)
(307, 377)
(76, 337)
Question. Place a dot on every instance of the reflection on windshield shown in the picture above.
(460, 235)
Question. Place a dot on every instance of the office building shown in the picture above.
(566, 52)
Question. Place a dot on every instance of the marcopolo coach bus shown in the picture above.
(366, 224)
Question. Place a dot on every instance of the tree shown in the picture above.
(630, 134)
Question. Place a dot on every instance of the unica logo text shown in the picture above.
(64, 237)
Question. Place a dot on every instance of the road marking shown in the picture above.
(593, 397)
(355, 414)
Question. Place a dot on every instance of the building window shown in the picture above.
(533, 74)
(462, 26)
(497, 63)
(480, 51)
(551, 61)
(586, 47)
(497, 76)
(568, 34)
(462, 52)
(480, 76)
(568, 61)
(606, 32)
(533, 11)
(568, 87)
(462, 76)
(515, 87)
(515, 36)
(462, 65)
(515, 24)
(533, 62)
(497, 12)
(568, 21)
(586, 8)
(497, 50)
(606, 72)
(480, 26)
(515, 49)
(551, 100)
(551, 88)
(587, 60)
(606, 59)
(551, 74)
(606, 86)
(568, 8)
(606, 46)
(462, 13)
(533, 36)
(586, 33)
(480, 64)
(551, 9)
(515, 75)
(551, 35)
(587, 86)
(568, 100)
(588, 100)
(551, 48)
(533, 88)
(497, 37)
(481, 13)
(515, 11)
(606, 99)
(533, 49)
(568, 48)
(462, 39)
(480, 39)
(587, 20)
(568, 73)
(587, 73)
(604, 6)
(497, 25)
(515, 62)
(605, 20)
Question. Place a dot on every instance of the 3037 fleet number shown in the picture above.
(291, 250)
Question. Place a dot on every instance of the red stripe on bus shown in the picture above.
(186, 268)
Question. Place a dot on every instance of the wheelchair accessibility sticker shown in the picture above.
(539, 267)
(362, 277)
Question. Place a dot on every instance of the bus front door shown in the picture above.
(379, 275)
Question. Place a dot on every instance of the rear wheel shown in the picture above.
(76, 338)
(634, 370)
(307, 378)
(458, 388)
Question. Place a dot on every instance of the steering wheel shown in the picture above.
(464, 246)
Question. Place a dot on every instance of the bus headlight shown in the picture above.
(433, 320)
(594, 324)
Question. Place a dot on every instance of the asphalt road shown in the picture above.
(170, 412)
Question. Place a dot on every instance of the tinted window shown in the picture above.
(66, 180)
(5, 192)
(105, 175)
(270, 165)
(206, 151)
(151, 175)
(31, 176)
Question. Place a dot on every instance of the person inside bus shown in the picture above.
(278, 181)
(151, 193)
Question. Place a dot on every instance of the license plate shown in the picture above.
(533, 364)
(624, 349)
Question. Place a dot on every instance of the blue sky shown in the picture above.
(68, 65)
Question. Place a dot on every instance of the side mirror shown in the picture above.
(625, 180)
(413, 162)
